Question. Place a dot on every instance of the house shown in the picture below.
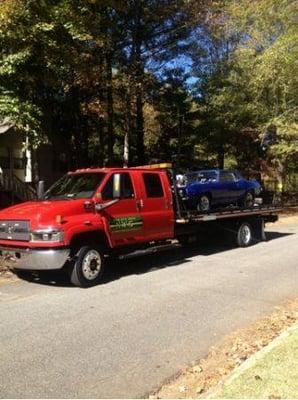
(21, 168)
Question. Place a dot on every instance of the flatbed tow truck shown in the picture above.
(93, 213)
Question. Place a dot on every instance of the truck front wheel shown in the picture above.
(87, 267)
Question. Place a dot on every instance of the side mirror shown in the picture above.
(102, 206)
(40, 190)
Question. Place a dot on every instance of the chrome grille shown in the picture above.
(15, 230)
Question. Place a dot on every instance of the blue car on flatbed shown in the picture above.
(205, 189)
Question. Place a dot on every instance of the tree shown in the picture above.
(151, 26)
(249, 81)
(175, 118)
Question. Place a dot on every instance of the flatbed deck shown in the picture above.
(266, 211)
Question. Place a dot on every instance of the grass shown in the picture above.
(274, 375)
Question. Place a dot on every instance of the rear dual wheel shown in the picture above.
(244, 235)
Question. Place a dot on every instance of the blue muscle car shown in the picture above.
(215, 187)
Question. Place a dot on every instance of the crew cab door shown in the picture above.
(155, 204)
(123, 219)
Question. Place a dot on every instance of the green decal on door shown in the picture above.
(126, 224)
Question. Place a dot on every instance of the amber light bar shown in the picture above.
(156, 166)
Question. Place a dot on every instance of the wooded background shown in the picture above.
(129, 82)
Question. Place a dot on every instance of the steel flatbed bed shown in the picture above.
(268, 212)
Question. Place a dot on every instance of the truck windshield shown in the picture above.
(74, 186)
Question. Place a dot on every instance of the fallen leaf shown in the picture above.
(199, 390)
(197, 369)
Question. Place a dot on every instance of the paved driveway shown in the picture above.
(153, 316)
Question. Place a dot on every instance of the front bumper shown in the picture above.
(30, 259)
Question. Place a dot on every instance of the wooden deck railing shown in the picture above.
(21, 190)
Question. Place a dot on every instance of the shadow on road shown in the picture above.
(276, 235)
(117, 268)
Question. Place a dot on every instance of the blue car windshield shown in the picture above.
(202, 176)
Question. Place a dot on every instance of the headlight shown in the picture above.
(50, 235)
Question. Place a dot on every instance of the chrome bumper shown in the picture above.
(30, 259)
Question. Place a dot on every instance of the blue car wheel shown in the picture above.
(249, 199)
(203, 204)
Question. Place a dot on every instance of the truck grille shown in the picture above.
(15, 230)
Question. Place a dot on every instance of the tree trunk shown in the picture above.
(139, 77)
(180, 128)
(80, 144)
(221, 157)
(140, 127)
(110, 108)
(126, 150)
(128, 130)
(100, 158)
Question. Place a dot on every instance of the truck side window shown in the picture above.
(126, 188)
(153, 185)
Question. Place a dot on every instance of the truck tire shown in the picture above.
(87, 267)
(187, 240)
(259, 230)
(244, 235)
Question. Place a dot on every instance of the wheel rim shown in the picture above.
(204, 203)
(249, 200)
(245, 234)
(91, 265)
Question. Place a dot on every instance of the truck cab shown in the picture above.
(86, 215)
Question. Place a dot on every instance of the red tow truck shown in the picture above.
(93, 213)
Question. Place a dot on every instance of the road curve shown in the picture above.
(152, 316)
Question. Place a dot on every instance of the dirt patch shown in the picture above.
(3, 269)
(195, 381)
(288, 211)
(287, 219)
(5, 273)
(288, 216)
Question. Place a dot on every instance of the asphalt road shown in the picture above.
(152, 316)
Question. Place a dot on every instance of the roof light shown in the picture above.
(156, 166)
